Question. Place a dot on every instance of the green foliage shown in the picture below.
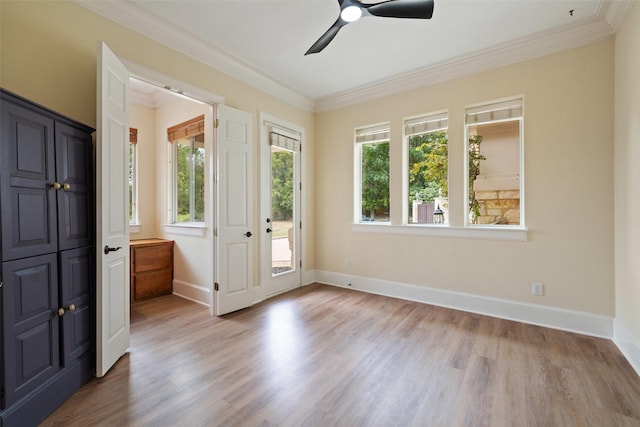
(428, 166)
(189, 170)
(375, 178)
(474, 171)
(282, 185)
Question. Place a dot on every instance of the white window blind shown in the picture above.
(373, 134)
(499, 111)
(426, 124)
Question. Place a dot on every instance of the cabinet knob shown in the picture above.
(72, 307)
(60, 312)
(56, 186)
(66, 186)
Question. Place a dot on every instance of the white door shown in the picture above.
(280, 195)
(236, 236)
(112, 235)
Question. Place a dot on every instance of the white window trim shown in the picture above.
(520, 120)
(195, 229)
(442, 118)
(371, 134)
(483, 232)
(174, 153)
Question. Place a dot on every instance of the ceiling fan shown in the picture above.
(352, 10)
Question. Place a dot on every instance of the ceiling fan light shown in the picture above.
(351, 13)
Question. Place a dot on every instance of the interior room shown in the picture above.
(501, 232)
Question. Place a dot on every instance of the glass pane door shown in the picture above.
(282, 211)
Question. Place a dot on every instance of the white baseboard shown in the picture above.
(308, 277)
(628, 344)
(196, 293)
(550, 317)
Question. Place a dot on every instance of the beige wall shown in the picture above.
(627, 178)
(192, 255)
(144, 119)
(49, 50)
(568, 151)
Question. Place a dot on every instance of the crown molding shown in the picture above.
(137, 19)
(515, 51)
(615, 12)
(609, 18)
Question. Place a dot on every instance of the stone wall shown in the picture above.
(499, 207)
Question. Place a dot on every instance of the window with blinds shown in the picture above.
(187, 139)
(372, 174)
(494, 166)
(426, 168)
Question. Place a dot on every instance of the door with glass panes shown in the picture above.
(281, 194)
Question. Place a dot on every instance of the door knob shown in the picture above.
(56, 185)
(72, 307)
(248, 234)
(107, 249)
(268, 230)
(268, 220)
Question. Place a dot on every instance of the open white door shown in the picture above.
(235, 245)
(112, 235)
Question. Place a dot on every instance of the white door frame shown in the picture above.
(273, 286)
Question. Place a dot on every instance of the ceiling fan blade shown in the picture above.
(421, 9)
(326, 38)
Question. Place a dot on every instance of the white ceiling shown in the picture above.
(262, 42)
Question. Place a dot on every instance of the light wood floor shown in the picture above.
(324, 356)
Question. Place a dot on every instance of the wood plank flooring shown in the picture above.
(325, 356)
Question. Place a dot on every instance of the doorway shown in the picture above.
(281, 190)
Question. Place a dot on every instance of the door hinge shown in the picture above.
(300, 263)
(300, 186)
(215, 232)
(216, 286)
(300, 225)
(216, 123)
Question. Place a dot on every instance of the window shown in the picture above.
(494, 163)
(426, 167)
(188, 161)
(372, 174)
(133, 177)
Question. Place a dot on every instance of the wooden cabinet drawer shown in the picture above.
(149, 258)
(149, 285)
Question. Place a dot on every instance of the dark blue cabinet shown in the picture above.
(47, 274)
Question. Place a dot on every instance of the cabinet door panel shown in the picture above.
(27, 160)
(73, 171)
(77, 278)
(30, 324)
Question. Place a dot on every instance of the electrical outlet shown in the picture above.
(347, 264)
(537, 289)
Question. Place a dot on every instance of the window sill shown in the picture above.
(191, 229)
(516, 234)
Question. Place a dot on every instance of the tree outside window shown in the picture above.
(371, 178)
(189, 160)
